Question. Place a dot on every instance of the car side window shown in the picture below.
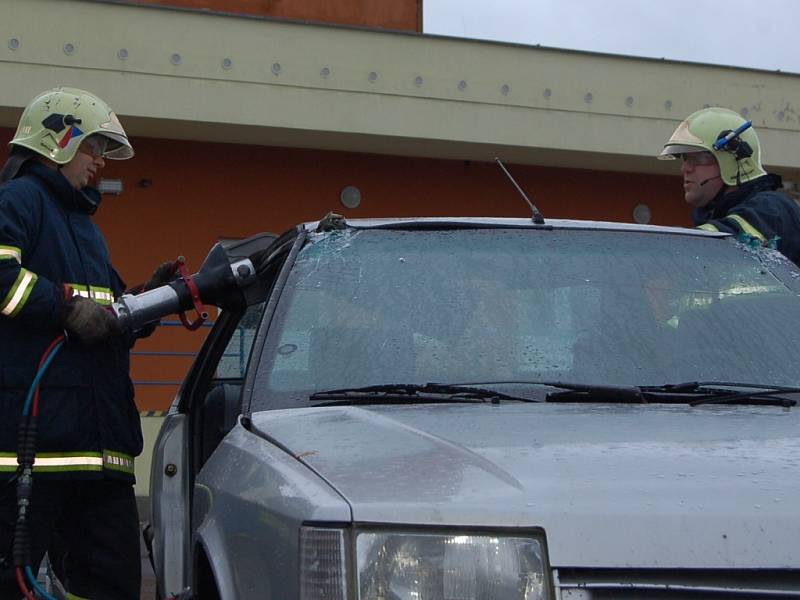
(220, 402)
(233, 362)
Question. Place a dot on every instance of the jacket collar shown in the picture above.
(85, 200)
(723, 203)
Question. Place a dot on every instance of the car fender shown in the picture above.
(208, 538)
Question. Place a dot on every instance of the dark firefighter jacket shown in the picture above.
(757, 210)
(88, 425)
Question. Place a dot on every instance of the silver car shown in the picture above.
(470, 409)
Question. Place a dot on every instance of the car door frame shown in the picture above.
(176, 458)
(172, 473)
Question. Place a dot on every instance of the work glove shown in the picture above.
(164, 273)
(87, 321)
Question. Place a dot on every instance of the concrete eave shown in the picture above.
(206, 77)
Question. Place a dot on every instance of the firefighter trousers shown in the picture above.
(91, 530)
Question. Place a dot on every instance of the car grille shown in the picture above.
(675, 584)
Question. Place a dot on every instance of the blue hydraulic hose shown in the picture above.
(40, 373)
(25, 411)
(39, 589)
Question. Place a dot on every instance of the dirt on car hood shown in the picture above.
(610, 485)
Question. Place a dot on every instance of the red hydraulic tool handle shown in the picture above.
(202, 315)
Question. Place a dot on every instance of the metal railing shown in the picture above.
(239, 352)
(165, 353)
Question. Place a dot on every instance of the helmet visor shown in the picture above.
(119, 148)
(673, 151)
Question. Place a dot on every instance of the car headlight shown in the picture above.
(431, 566)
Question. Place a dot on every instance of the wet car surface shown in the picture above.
(480, 408)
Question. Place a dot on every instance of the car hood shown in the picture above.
(610, 485)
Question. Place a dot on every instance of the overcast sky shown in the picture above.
(761, 34)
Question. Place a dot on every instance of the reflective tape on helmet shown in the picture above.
(10, 253)
(18, 295)
(746, 227)
(708, 227)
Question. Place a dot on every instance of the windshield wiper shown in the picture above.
(693, 393)
(718, 392)
(394, 393)
(587, 392)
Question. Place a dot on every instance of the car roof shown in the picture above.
(499, 222)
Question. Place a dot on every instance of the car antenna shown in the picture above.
(537, 217)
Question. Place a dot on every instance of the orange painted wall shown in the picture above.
(385, 14)
(199, 192)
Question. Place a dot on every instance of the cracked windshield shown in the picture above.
(453, 306)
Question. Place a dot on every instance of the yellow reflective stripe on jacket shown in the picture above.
(18, 295)
(101, 295)
(56, 462)
(746, 227)
(708, 227)
(65, 462)
(10, 252)
(75, 597)
(117, 461)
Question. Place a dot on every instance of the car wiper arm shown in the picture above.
(693, 393)
(715, 392)
(584, 392)
(573, 392)
(405, 392)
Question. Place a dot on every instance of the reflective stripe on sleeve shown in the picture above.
(71, 596)
(746, 227)
(18, 295)
(117, 461)
(707, 227)
(10, 253)
(101, 295)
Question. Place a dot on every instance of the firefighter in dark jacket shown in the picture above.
(725, 183)
(56, 276)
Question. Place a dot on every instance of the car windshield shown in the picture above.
(382, 306)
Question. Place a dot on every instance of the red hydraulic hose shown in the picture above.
(22, 586)
(35, 408)
(34, 412)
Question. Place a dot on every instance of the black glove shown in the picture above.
(164, 273)
(87, 321)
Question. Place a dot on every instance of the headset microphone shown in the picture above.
(705, 181)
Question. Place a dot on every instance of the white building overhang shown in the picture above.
(199, 76)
